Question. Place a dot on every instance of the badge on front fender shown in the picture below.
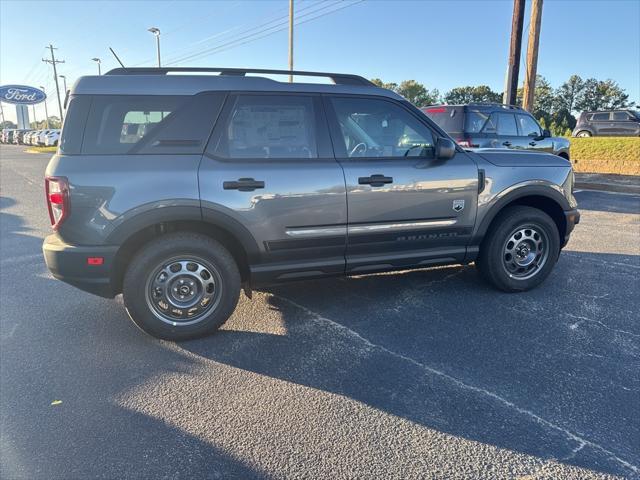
(458, 205)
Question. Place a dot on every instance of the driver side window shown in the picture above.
(380, 129)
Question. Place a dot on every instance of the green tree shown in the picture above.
(379, 83)
(8, 124)
(568, 93)
(54, 122)
(417, 93)
(412, 90)
(544, 98)
(469, 94)
(602, 95)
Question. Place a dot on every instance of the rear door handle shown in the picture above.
(533, 144)
(243, 184)
(376, 180)
(506, 144)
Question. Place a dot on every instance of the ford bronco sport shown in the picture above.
(180, 190)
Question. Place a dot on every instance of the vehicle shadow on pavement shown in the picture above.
(521, 372)
(63, 345)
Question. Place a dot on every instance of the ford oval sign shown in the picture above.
(21, 94)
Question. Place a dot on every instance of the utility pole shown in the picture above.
(513, 69)
(46, 112)
(528, 94)
(53, 62)
(290, 39)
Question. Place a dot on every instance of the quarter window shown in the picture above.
(269, 126)
(378, 128)
(528, 126)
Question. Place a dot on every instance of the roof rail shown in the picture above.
(338, 78)
(495, 104)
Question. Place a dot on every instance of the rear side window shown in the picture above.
(269, 126)
(621, 116)
(600, 117)
(507, 125)
(150, 124)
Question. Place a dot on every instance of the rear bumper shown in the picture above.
(69, 264)
(572, 218)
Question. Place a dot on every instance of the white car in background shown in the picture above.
(33, 139)
(51, 138)
(41, 137)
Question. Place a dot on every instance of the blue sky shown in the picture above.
(442, 44)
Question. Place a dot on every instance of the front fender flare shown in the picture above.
(515, 192)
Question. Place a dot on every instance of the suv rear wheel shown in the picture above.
(583, 134)
(181, 286)
(520, 249)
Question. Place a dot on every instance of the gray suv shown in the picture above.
(620, 123)
(493, 125)
(178, 191)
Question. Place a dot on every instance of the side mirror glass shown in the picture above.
(546, 133)
(445, 148)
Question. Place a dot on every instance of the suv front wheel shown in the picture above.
(181, 286)
(520, 249)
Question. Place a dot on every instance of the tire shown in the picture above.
(583, 134)
(175, 264)
(519, 250)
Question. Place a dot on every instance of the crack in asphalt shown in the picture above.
(581, 319)
(582, 442)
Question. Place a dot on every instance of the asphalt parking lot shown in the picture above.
(423, 374)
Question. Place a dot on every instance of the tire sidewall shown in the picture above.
(161, 250)
(511, 221)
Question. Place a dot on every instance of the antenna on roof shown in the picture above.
(114, 54)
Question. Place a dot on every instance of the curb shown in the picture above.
(608, 187)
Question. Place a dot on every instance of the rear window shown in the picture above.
(449, 119)
(149, 124)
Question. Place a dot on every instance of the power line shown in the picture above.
(255, 30)
(234, 44)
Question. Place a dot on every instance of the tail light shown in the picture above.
(57, 191)
(464, 142)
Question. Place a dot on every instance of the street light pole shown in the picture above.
(64, 82)
(98, 61)
(156, 33)
(46, 112)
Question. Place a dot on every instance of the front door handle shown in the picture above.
(376, 180)
(533, 144)
(506, 144)
(243, 184)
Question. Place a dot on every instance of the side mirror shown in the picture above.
(445, 148)
(546, 133)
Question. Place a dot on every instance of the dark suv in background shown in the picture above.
(493, 125)
(619, 123)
